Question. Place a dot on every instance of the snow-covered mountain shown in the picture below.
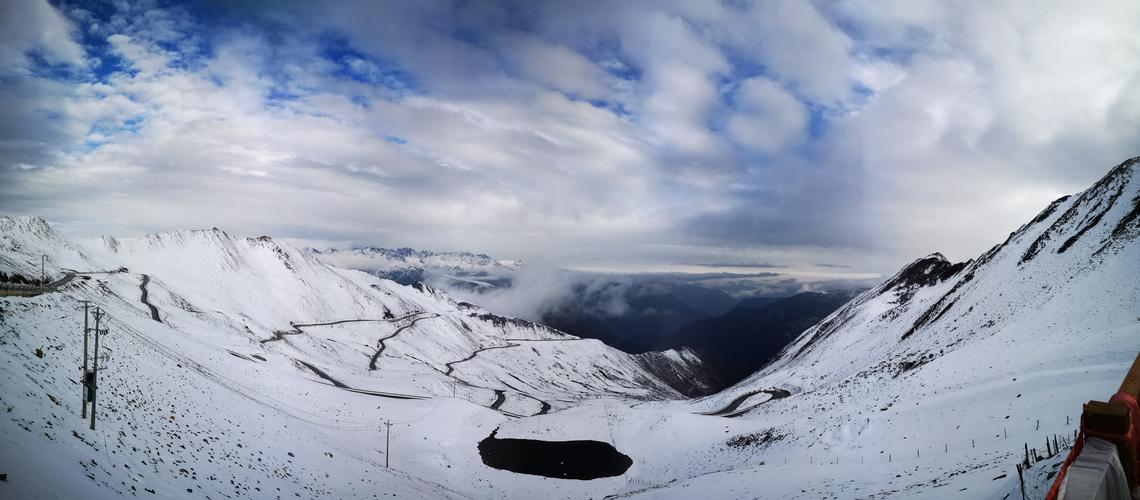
(948, 368)
(240, 381)
(200, 316)
(407, 266)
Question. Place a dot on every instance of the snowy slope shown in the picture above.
(943, 361)
(244, 338)
(926, 386)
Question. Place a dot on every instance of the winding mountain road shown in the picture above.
(500, 395)
(545, 407)
(731, 410)
(451, 366)
(341, 385)
(376, 356)
(500, 398)
(144, 299)
(278, 334)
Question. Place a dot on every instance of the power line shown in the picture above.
(237, 388)
(231, 385)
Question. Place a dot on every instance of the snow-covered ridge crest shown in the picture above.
(387, 259)
(958, 366)
(25, 239)
(932, 305)
(254, 288)
(962, 362)
(1114, 196)
(31, 225)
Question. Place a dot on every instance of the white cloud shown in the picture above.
(768, 118)
(557, 67)
(803, 47)
(1003, 107)
(34, 25)
(940, 128)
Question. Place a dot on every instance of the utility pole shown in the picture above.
(95, 364)
(83, 378)
(387, 441)
(43, 275)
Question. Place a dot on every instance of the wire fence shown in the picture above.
(1039, 467)
(1012, 438)
(1028, 468)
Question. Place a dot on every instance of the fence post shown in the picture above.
(1021, 480)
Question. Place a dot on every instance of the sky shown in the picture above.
(845, 135)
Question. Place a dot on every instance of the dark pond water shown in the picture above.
(560, 459)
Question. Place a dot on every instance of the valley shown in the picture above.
(246, 367)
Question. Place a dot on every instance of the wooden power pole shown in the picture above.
(387, 441)
(95, 364)
(83, 378)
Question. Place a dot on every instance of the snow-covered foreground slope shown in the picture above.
(228, 354)
(926, 386)
(931, 382)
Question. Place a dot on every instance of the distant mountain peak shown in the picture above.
(929, 270)
(373, 258)
(1102, 216)
(29, 224)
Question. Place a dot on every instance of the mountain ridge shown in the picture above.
(928, 384)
